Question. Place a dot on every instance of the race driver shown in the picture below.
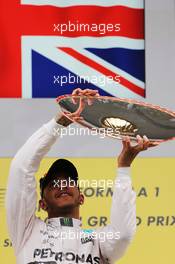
(38, 242)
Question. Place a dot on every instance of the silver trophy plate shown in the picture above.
(123, 117)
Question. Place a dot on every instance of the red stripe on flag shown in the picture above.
(129, 85)
(131, 20)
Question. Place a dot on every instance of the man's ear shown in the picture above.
(81, 199)
(43, 204)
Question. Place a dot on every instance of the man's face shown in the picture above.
(62, 194)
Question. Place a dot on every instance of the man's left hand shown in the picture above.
(129, 152)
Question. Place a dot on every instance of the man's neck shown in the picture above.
(65, 213)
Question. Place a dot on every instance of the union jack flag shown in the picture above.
(38, 60)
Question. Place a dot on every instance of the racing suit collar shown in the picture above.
(64, 221)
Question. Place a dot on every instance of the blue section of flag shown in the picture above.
(43, 72)
(131, 61)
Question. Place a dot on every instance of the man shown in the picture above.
(36, 241)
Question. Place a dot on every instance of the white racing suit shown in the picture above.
(39, 242)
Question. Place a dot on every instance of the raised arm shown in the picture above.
(122, 227)
(21, 194)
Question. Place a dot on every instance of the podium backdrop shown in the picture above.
(153, 181)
